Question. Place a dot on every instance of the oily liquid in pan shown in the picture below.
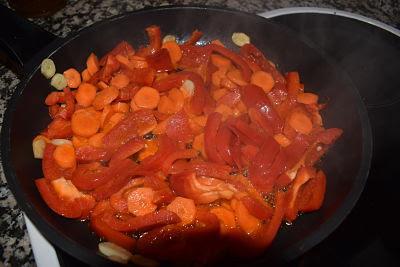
(236, 112)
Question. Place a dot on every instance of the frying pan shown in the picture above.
(346, 164)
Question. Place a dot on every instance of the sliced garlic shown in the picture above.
(115, 252)
(168, 38)
(187, 88)
(38, 146)
(240, 38)
(58, 81)
(48, 68)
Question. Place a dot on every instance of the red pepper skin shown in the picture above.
(257, 209)
(236, 59)
(194, 56)
(323, 141)
(129, 223)
(178, 128)
(223, 144)
(174, 80)
(133, 125)
(111, 66)
(180, 154)
(210, 134)
(160, 61)
(86, 176)
(260, 168)
(154, 35)
(139, 77)
(295, 151)
(122, 48)
(235, 147)
(58, 128)
(103, 230)
(247, 134)
(51, 170)
(254, 97)
(126, 150)
(311, 195)
(76, 208)
(89, 153)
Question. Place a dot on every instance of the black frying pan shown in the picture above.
(346, 164)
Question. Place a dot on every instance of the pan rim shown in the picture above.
(84, 253)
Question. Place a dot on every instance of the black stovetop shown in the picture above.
(371, 57)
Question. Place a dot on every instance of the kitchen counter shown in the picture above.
(15, 249)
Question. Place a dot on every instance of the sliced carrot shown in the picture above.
(307, 98)
(217, 77)
(120, 107)
(263, 79)
(161, 127)
(235, 76)
(64, 155)
(245, 220)
(224, 110)
(140, 201)
(226, 83)
(184, 208)
(177, 97)
(85, 94)
(217, 94)
(166, 106)
(300, 122)
(92, 64)
(105, 97)
(85, 122)
(150, 148)
(86, 75)
(174, 51)
(79, 141)
(112, 121)
(147, 97)
(119, 81)
(73, 78)
(106, 113)
(200, 120)
(221, 62)
(102, 85)
(226, 219)
(198, 144)
(133, 105)
(282, 139)
(96, 140)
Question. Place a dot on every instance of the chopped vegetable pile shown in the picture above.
(180, 152)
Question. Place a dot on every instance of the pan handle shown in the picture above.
(20, 40)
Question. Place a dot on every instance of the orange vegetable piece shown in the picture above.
(86, 75)
(235, 76)
(217, 94)
(124, 61)
(102, 85)
(174, 51)
(73, 78)
(147, 97)
(217, 77)
(78, 141)
(105, 97)
(166, 106)
(119, 81)
(282, 139)
(140, 201)
(96, 140)
(138, 62)
(112, 121)
(92, 64)
(85, 94)
(150, 148)
(307, 98)
(263, 79)
(217, 42)
(64, 155)
(161, 127)
(106, 112)
(245, 220)
(184, 208)
(198, 144)
(85, 122)
(221, 62)
(300, 122)
(226, 218)
(133, 105)
(120, 107)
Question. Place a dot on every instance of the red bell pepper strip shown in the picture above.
(296, 150)
(223, 144)
(194, 56)
(178, 128)
(122, 48)
(86, 176)
(135, 124)
(194, 37)
(154, 35)
(51, 170)
(293, 84)
(89, 153)
(230, 99)
(236, 151)
(111, 66)
(259, 210)
(129, 223)
(210, 137)
(69, 208)
(254, 97)
(126, 150)
(236, 59)
(103, 230)
(160, 61)
(311, 195)
(180, 154)
(58, 128)
(247, 134)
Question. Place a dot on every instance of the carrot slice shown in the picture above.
(161, 127)
(263, 79)
(119, 81)
(166, 106)
(92, 64)
(78, 141)
(219, 93)
(140, 201)
(174, 51)
(86, 75)
(236, 77)
(96, 140)
(217, 77)
(300, 122)
(85, 94)
(184, 208)
(282, 139)
(120, 107)
(147, 97)
(114, 119)
(307, 98)
(73, 78)
(85, 122)
(150, 148)
(220, 62)
(105, 97)
(64, 155)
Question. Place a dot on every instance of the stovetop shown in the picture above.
(370, 54)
